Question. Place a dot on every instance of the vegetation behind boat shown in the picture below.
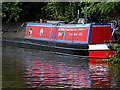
(67, 11)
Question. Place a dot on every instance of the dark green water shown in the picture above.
(28, 68)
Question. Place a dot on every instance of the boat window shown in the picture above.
(30, 32)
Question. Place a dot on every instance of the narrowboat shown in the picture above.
(79, 39)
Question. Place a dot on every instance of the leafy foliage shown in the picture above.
(115, 58)
(11, 11)
(66, 11)
(102, 11)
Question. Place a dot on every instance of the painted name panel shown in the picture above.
(76, 33)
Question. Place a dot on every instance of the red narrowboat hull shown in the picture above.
(79, 34)
(101, 53)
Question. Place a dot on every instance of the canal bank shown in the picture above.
(14, 29)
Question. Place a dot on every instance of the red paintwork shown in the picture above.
(78, 33)
(98, 61)
(36, 31)
(75, 34)
(100, 53)
(57, 31)
(100, 34)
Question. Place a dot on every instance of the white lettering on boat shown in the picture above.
(81, 29)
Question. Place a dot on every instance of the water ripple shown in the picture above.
(40, 69)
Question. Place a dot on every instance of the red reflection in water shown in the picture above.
(100, 74)
(49, 74)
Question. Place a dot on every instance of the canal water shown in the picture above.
(29, 68)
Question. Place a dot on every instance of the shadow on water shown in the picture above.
(28, 68)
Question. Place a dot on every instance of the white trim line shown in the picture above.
(99, 47)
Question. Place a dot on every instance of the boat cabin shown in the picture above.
(91, 33)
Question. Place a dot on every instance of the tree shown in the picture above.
(11, 11)
(102, 11)
(65, 11)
